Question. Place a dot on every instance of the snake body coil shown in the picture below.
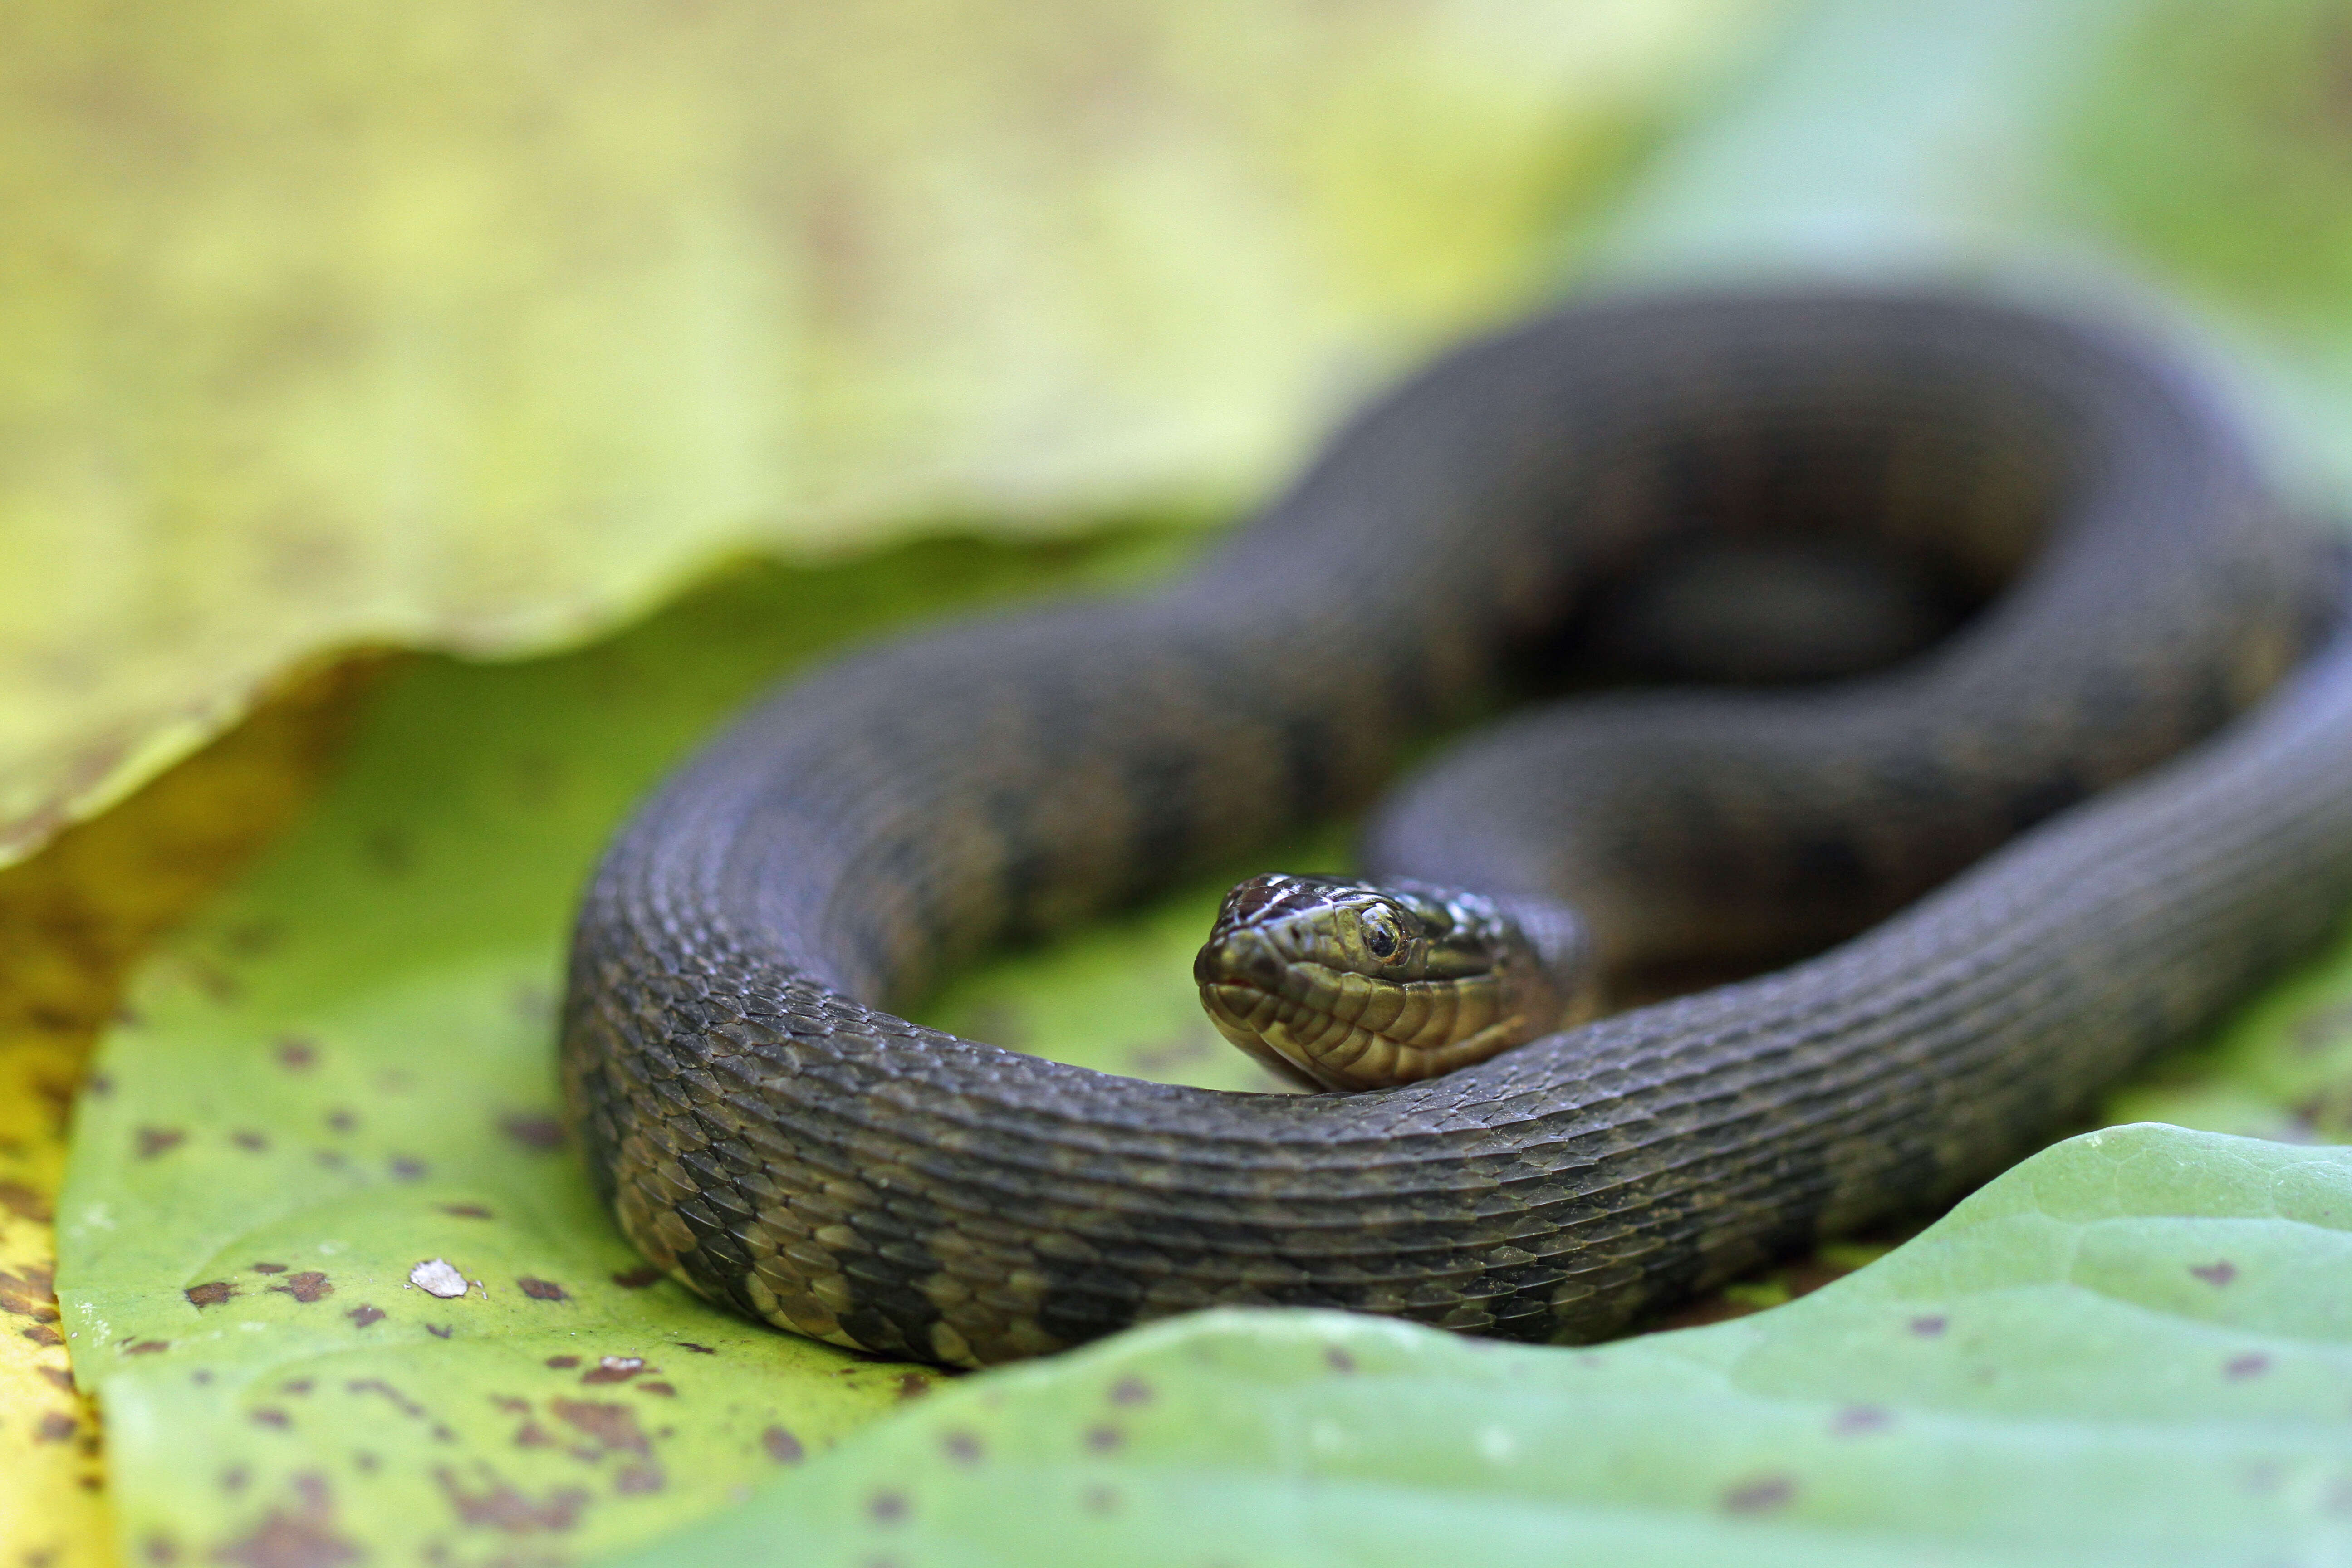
(768, 1131)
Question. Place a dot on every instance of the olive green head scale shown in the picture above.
(1345, 985)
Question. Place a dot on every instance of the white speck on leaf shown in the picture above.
(435, 1276)
(1495, 1446)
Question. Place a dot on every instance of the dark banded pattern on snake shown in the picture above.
(767, 1130)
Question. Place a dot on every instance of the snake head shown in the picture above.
(1348, 984)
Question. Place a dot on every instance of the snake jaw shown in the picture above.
(1296, 975)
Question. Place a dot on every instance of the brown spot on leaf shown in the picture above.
(466, 1211)
(611, 1427)
(2218, 1273)
(211, 1293)
(638, 1278)
(1928, 1328)
(782, 1446)
(306, 1287)
(59, 1378)
(2253, 1363)
(1130, 1390)
(341, 1121)
(1765, 1494)
(614, 1369)
(1338, 1361)
(658, 1386)
(42, 1334)
(1098, 1499)
(562, 1362)
(297, 1053)
(698, 1350)
(637, 1479)
(400, 1401)
(269, 1415)
(217, 982)
(1104, 1440)
(913, 1384)
(250, 1142)
(1856, 1419)
(147, 1347)
(24, 1203)
(254, 938)
(299, 1386)
(154, 1140)
(963, 1448)
(439, 1330)
(886, 1508)
(405, 1169)
(269, 1269)
(533, 1129)
(363, 1314)
(500, 1507)
(305, 1538)
(54, 1426)
(32, 1294)
(532, 1435)
(233, 1479)
(539, 1289)
(161, 1550)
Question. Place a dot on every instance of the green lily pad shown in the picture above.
(325, 1261)
(2133, 1348)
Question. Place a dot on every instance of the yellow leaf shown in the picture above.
(484, 324)
(71, 919)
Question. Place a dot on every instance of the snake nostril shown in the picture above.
(1259, 960)
(1237, 955)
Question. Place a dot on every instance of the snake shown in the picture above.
(1951, 898)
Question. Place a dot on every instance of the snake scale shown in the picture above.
(770, 1132)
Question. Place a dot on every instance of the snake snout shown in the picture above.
(1245, 956)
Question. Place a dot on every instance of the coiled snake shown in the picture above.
(770, 1132)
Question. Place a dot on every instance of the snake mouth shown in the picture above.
(1333, 1029)
(1244, 988)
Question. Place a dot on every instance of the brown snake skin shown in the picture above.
(767, 1130)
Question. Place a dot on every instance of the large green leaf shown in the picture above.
(341, 1071)
(2133, 1348)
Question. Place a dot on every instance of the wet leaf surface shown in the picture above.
(2133, 1348)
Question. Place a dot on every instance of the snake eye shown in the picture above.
(1380, 936)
